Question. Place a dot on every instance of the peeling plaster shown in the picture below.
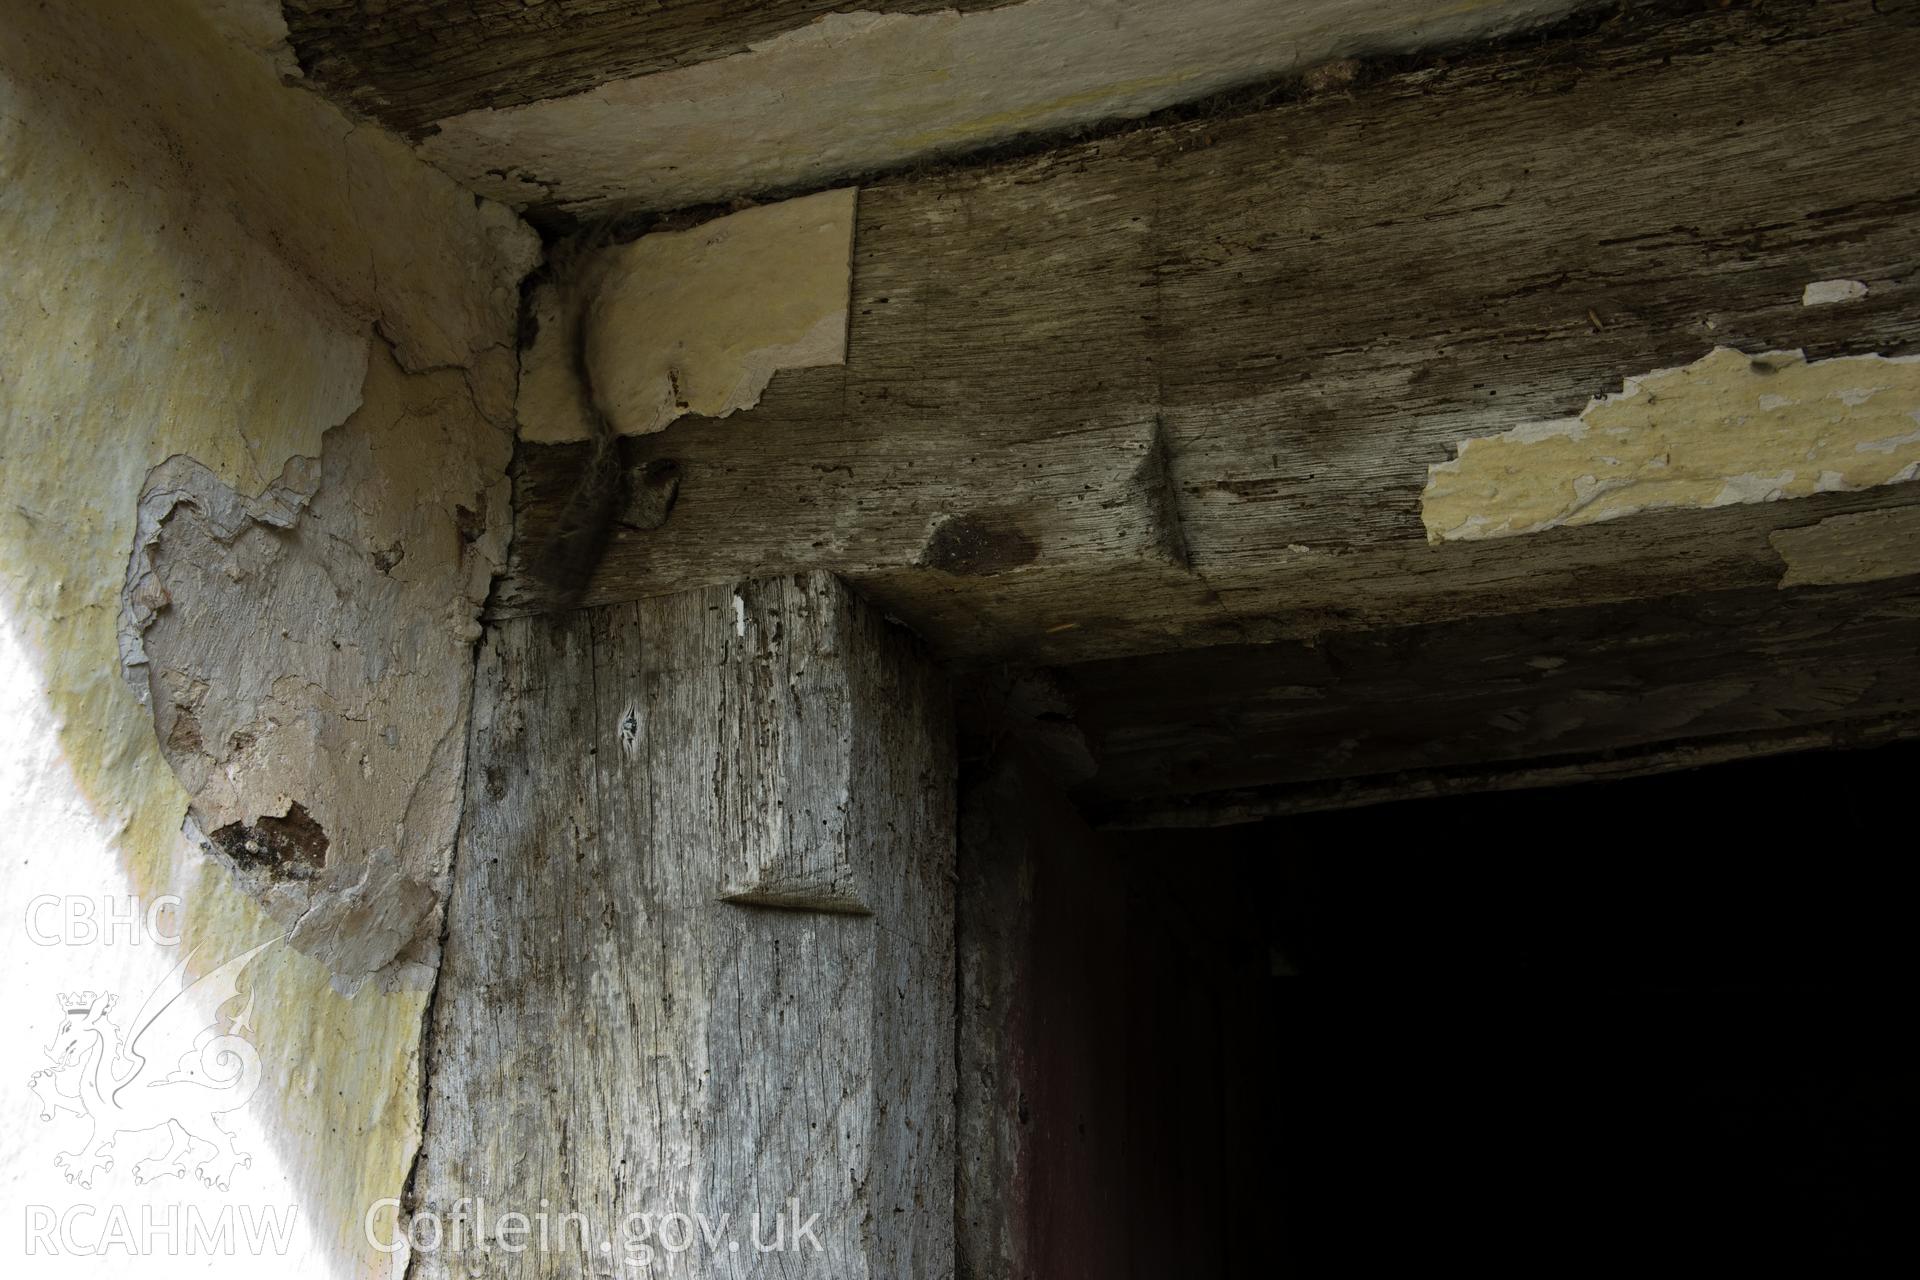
(1824, 293)
(856, 91)
(694, 321)
(199, 261)
(1728, 428)
(1864, 546)
(310, 647)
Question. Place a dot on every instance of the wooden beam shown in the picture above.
(1183, 387)
(1254, 804)
(1595, 692)
(1042, 1107)
(700, 942)
(409, 63)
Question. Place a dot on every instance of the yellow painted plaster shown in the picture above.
(198, 259)
(1725, 429)
(694, 321)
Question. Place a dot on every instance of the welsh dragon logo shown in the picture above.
(174, 1070)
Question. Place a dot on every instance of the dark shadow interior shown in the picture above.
(1640, 1022)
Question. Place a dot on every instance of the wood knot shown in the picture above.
(974, 546)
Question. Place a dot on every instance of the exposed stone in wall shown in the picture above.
(308, 649)
(1728, 428)
(693, 321)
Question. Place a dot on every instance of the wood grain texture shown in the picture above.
(1181, 387)
(1557, 696)
(1233, 807)
(611, 1034)
(1046, 1137)
(409, 63)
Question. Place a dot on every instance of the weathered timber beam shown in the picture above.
(1597, 691)
(700, 944)
(1184, 386)
(1253, 804)
(410, 63)
(1045, 1129)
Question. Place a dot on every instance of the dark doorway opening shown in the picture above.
(1643, 1022)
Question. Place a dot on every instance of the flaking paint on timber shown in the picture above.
(1728, 428)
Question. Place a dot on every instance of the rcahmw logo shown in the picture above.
(168, 1078)
(166, 1230)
